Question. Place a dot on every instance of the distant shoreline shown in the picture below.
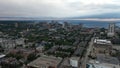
(86, 23)
(33, 19)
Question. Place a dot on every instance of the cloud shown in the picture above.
(57, 8)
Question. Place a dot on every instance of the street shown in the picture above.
(85, 59)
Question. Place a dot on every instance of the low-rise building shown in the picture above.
(103, 61)
(79, 51)
(45, 62)
(20, 41)
(7, 43)
(102, 41)
(102, 46)
(40, 48)
(74, 61)
(10, 63)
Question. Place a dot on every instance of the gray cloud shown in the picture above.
(56, 8)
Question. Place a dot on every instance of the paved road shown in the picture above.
(60, 65)
(87, 53)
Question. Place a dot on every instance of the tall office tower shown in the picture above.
(111, 30)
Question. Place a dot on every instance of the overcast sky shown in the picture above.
(57, 8)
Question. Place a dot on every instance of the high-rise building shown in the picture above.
(111, 30)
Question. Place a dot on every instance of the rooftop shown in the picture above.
(102, 41)
(1, 56)
(75, 58)
(46, 61)
(107, 59)
(79, 51)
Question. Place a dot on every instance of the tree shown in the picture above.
(31, 57)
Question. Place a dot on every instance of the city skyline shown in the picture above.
(59, 34)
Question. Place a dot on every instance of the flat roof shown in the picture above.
(102, 41)
(101, 66)
(45, 61)
(1, 56)
(107, 59)
(75, 58)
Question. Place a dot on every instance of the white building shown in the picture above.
(1, 56)
(111, 30)
(40, 48)
(74, 61)
(102, 41)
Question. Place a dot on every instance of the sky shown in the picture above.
(57, 8)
